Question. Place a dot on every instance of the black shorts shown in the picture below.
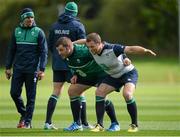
(62, 75)
(95, 81)
(117, 83)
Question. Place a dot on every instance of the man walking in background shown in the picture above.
(28, 55)
(67, 25)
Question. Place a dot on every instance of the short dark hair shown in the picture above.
(93, 37)
(65, 41)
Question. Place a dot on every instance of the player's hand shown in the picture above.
(126, 62)
(74, 79)
(40, 75)
(8, 73)
(150, 51)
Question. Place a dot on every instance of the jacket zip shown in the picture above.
(25, 34)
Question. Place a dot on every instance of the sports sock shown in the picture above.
(132, 109)
(76, 109)
(83, 111)
(100, 109)
(109, 107)
(51, 107)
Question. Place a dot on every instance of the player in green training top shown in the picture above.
(86, 74)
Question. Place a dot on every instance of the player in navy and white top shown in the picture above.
(112, 61)
(109, 57)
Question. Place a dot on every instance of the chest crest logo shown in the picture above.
(78, 60)
(32, 33)
(19, 32)
(107, 54)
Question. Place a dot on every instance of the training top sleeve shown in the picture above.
(118, 49)
(81, 33)
(11, 52)
(51, 40)
(43, 50)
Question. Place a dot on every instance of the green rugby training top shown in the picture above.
(83, 64)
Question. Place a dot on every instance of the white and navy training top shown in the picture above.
(111, 60)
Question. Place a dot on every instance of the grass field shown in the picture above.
(157, 96)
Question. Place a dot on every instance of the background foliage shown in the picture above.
(151, 23)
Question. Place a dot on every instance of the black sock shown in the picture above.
(83, 111)
(51, 107)
(100, 109)
(109, 107)
(76, 109)
(132, 109)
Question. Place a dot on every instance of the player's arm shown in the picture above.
(138, 50)
(43, 54)
(10, 56)
(80, 41)
(11, 52)
(51, 40)
(74, 79)
(81, 32)
(126, 60)
(119, 50)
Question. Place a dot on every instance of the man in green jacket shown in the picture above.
(27, 54)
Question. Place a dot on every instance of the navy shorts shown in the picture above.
(62, 75)
(117, 83)
(94, 81)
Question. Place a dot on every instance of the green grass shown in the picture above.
(157, 96)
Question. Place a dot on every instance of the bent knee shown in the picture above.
(72, 93)
(128, 95)
(100, 93)
(57, 88)
(57, 92)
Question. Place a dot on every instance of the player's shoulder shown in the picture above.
(107, 45)
(77, 23)
(81, 49)
(111, 45)
(116, 48)
(80, 46)
(37, 29)
(54, 25)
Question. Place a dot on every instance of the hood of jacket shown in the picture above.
(66, 17)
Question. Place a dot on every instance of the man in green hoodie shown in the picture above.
(27, 54)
